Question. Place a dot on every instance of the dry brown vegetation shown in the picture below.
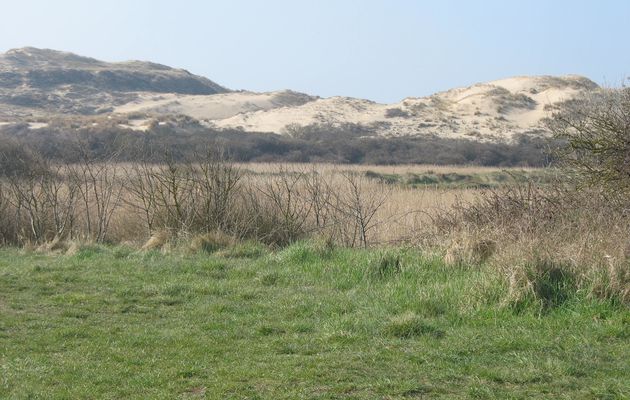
(101, 201)
(543, 238)
(539, 238)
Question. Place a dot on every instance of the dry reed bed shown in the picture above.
(117, 203)
(401, 169)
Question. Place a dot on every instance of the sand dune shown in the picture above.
(215, 107)
(495, 110)
(37, 84)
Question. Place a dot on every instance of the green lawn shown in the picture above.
(303, 322)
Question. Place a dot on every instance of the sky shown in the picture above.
(383, 50)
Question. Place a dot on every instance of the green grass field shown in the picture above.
(303, 322)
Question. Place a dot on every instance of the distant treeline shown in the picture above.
(345, 145)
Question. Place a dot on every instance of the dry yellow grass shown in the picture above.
(405, 215)
(384, 169)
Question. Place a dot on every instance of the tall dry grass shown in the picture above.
(543, 240)
(402, 169)
(100, 201)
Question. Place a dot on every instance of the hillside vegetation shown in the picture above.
(65, 141)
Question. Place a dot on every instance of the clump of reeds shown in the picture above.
(533, 235)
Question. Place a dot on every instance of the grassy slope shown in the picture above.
(301, 323)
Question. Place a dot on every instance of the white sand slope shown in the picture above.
(495, 110)
(492, 111)
(213, 107)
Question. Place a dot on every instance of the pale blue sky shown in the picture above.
(383, 50)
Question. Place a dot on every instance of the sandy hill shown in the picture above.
(54, 81)
(48, 69)
(216, 107)
(36, 84)
(490, 111)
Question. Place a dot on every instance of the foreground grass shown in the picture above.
(301, 323)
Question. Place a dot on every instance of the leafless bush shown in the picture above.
(8, 228)
(529, 204)
(596, 129)
(282, 206)
(142, 192)
(15, 158)
(358, 202)
(175, 196)
(99, 200)
(100, 192)
(60, 194)
(185, 197)
(32, 211)
(318, 193)
(42, 200)
(217, 182)
(293, 204)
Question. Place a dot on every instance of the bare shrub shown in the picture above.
(43, 200)
(175, 200)
(282, 208)
(318, 192)
(142, 192)
(31, 212)
(100, 192)
(596, 130)
(8, 228)
(185, 197)
(357, 203)
(16, 158)
(61, 195)
(217, 183)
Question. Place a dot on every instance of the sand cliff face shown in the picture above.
(36, 84)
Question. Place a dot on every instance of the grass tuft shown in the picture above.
(410, 325)
(385, 265)
(552, 283)
(211, 242)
